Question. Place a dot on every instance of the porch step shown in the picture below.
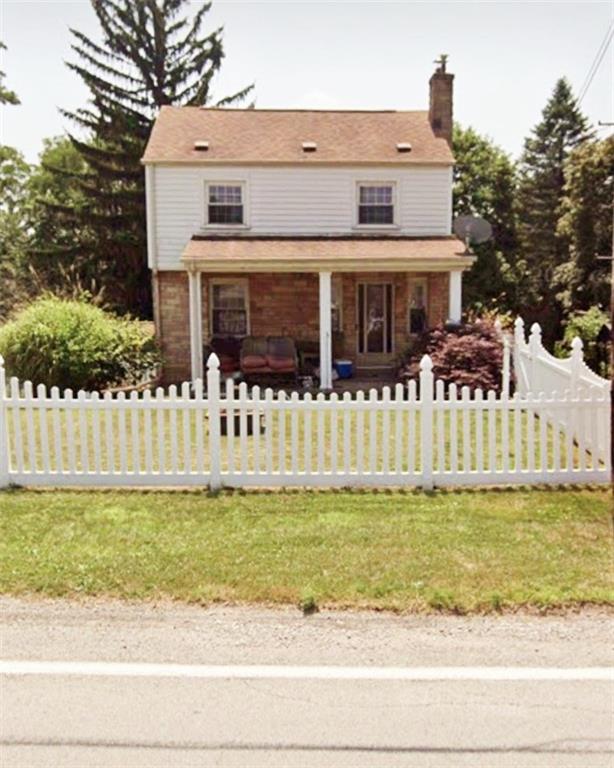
(383, 373)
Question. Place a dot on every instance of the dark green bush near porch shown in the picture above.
(591, 326)
(70, 343)
(470, 355)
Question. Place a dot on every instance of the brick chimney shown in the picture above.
(440, 106)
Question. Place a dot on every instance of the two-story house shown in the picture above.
(304, 223)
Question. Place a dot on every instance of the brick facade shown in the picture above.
(171, 314)
(286, 305)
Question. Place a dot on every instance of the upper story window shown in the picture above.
(225, 204)
(376, 204)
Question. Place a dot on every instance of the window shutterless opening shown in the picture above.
(376, 204)
(225, 204)
(229, 309)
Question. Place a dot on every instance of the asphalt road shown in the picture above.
(198, 716)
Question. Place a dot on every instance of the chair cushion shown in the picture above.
(253, 361)
(228, 365)
(280, 363)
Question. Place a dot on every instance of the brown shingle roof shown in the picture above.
(339, 254)
(276, 136)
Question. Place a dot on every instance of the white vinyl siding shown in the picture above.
(307, 201)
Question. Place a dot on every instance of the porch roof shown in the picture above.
(335, 253)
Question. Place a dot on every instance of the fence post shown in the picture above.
(519, 342)
(4, 429)
(426, 421)
(505, 383)
(213, 400)
(577, 357)
(519, 332)
(535, 346)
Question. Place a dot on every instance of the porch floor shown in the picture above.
(376, 380)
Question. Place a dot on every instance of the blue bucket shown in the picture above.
(345, 368)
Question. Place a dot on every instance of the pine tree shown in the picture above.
(562, 128)
(150, 55)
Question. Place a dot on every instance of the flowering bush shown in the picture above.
(470, 355)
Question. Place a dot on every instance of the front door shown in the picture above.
(374, 308)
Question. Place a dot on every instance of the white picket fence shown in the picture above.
(536, 370)
(422, 435)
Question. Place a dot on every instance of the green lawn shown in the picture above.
(463, 551)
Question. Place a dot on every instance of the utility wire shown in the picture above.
(601, 51)
(602, 45)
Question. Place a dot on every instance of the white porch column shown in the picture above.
(326, 352)
(196, 324)
(455, 297)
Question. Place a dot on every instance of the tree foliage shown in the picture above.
(151, 54)
(586, 225)
(484, 185)
(540, 194)
(14, 178)
(55, 238)
(587, 325)
(6, 96)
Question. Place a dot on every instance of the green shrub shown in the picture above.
(587, 325)
(65, 343)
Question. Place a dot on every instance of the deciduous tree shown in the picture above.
(586, 225)
(6, 96)
(484, 185)
(14, 176)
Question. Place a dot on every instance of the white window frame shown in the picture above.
(244, 283)
(395, 203)
(244, 200)
(411, 282)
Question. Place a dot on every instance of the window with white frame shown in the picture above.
(229, 302)
(376, 204)
(417, 305)
(225, 204)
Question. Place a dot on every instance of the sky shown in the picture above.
(506, 57)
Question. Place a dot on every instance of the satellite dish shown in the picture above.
(472, 230)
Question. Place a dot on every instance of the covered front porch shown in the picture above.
(355, 298)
